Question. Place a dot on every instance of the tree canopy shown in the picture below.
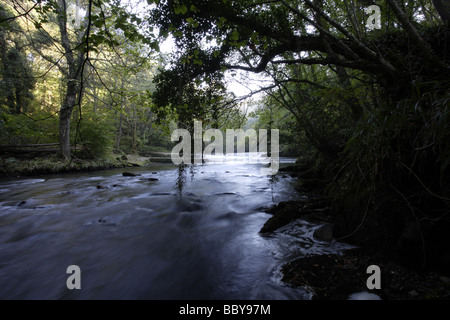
(262, 36)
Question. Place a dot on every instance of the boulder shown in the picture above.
(324, 233)
(283, 213)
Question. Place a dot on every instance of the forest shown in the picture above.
(359, 90)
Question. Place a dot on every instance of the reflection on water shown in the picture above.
(181, 179)
(191, 233)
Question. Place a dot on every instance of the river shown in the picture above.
(170, 233)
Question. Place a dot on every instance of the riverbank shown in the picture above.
(18, 167)
(336, 277)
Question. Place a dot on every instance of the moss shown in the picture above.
(11, 167)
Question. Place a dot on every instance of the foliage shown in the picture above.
(16, 75)
(52, 164)
(292, 141)
(22, 129)
(96, 135)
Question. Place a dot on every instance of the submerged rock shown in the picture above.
(21, 203)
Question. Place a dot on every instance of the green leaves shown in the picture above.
(180, 9)
(155, 45)
(192, 22)
(234, 35)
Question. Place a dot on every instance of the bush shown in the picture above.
(393, 176)
(95, 135)
(17, 129)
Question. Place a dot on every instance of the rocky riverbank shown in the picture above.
(336, 277)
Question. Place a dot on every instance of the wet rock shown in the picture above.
(283, 213)
(130, 174)
(313, 210)
(101, 187)
(133, 164)
(324, 233)
(153, 179)
(154, 172)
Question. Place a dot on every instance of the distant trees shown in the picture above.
(16, 75)
(91, 66)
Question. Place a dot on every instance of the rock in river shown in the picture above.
(324, 233)
(130, 174)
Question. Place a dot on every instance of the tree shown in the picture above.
(252, 36)
(17, 81)
(65, 33)
(443, 8)
(374, 103)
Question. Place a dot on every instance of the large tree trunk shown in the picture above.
(64, 120)
(73, 78)
(64, 135)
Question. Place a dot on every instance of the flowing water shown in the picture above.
(190, 234)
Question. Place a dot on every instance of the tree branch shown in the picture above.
(364, 49)
(422, 45)
(21, 14)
